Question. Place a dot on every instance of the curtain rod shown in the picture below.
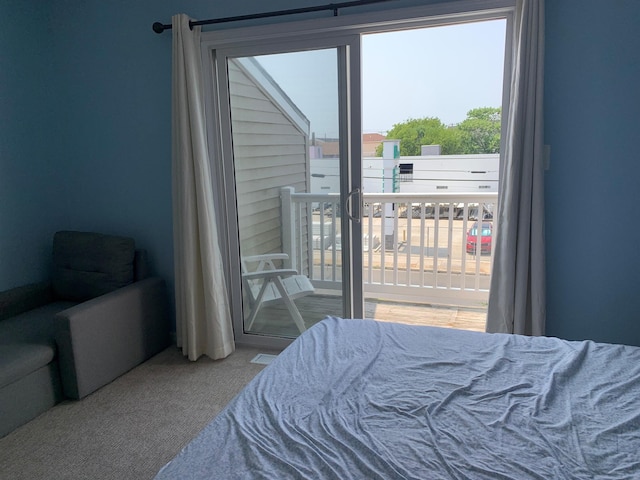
(160, 27)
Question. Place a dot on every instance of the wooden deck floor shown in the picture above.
(275, 319)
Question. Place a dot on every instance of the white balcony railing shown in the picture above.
(415, 246)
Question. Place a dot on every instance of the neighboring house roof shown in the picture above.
(373, 137)
(278, 96)
(270, 140)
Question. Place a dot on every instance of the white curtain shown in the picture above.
(203, 321)
(517, 298)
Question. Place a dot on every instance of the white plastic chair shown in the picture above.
(265, 284)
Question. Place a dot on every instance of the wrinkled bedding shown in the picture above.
(360, 399)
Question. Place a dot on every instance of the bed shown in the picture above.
(361, 399)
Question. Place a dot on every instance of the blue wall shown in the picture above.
(29, 178)
(114, 78)
(85, 142)
(592, 105)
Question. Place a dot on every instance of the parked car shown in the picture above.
(486, 235)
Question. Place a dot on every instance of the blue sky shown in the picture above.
(432, 72)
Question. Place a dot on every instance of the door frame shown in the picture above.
(331, 32)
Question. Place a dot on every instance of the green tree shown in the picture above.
(414, 133)
(480, 131)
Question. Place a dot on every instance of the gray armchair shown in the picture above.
(122, 318)
(100, 316)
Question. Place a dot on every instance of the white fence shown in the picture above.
(415, 246)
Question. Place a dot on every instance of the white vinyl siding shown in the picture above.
(270, 152)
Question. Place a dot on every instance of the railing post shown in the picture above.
(390, 164)
(288, 227)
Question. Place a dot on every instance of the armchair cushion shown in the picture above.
(34, 326)
(87, 265)
(21, 359)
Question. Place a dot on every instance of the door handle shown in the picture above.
(352, 193)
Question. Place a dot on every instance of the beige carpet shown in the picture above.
(130, 428)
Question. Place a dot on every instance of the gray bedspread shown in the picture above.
(359, 399)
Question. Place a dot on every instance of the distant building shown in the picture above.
(419, 174)
(330, 147)
(430, 150)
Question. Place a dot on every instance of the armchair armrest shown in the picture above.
(104, 337)
(22, 299)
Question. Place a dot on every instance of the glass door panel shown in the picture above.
(285, 133)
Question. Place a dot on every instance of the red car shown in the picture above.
(486, 234)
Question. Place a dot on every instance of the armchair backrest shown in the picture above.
(87, 265)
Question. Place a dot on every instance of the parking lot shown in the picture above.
(431, 245)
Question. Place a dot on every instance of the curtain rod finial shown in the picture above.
(158, 27)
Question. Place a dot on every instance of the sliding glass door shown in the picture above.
(286, 114)
(292, 187)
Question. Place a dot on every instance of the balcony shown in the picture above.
(418, 263)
